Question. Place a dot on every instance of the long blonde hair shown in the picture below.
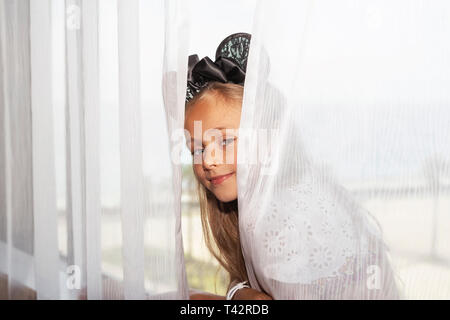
(220, 220)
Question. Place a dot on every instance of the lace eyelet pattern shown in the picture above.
(307, 235)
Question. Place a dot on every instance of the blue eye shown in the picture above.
(227, 141)
(197, 152)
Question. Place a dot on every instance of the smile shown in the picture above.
(219, 179)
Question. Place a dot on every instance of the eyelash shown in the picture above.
(201, 150)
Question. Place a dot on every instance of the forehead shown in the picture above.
(213, 112)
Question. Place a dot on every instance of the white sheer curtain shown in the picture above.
(89, 195)
(354, 98)
(350, 197)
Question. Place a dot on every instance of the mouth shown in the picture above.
(219, 179)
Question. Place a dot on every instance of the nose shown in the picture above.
(211, 156)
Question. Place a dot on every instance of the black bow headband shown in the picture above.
(230, 65)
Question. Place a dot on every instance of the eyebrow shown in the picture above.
(218, 128)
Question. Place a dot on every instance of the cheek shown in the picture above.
(199, 172)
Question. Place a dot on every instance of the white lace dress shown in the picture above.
(307, 242)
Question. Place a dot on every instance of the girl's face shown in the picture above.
(215, 121)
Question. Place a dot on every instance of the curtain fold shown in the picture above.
(45, 250)
(90, 51)
(130, 149)
(86, 212)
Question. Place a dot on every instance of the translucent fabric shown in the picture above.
(344, 154)
(343, 162)
(89, 194)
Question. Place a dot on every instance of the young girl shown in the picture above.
(328, 248)
(218, 107)
(213, 105)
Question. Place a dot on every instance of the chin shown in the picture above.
(226, 197)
